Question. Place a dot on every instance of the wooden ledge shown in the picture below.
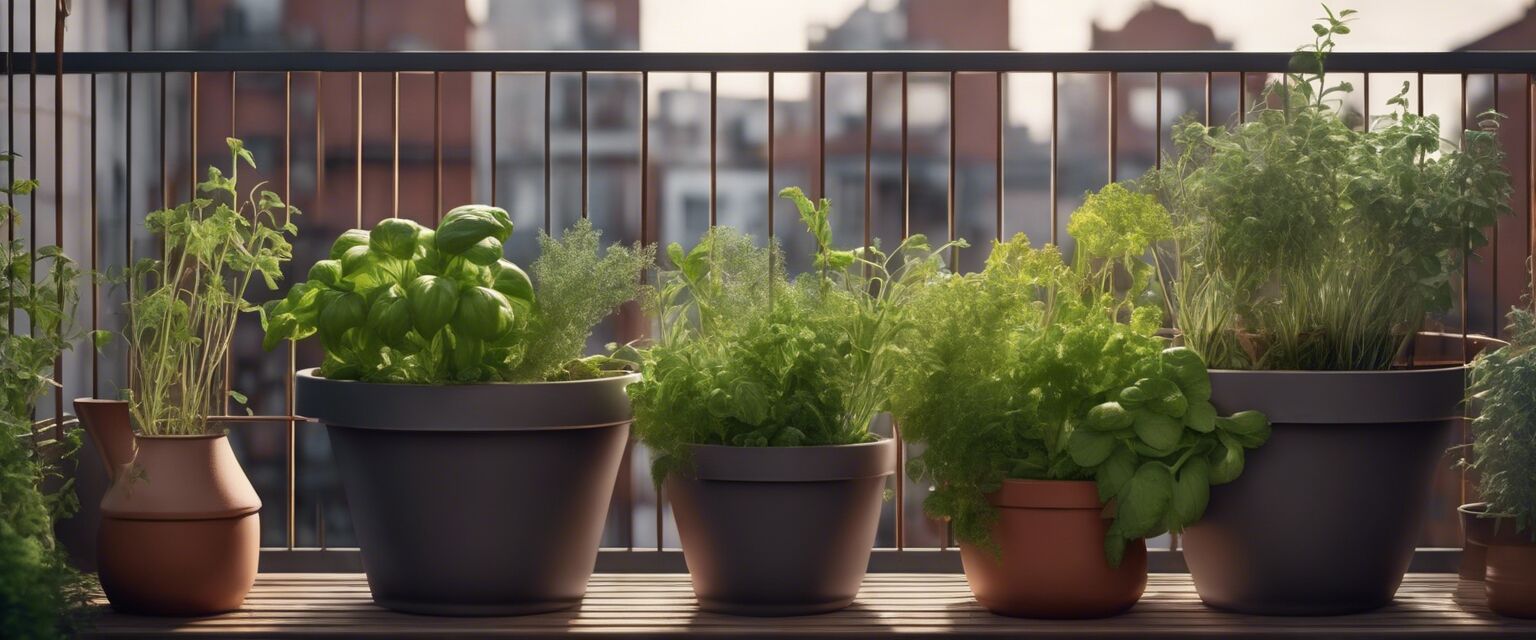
(636, 605)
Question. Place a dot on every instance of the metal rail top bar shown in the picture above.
(817, 61)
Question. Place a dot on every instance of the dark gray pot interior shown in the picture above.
(475, 499)
(776, 531)
(1325, 516)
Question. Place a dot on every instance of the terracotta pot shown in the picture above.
(1476, 529)
(1325, 516)
(1510, 579)
(1051, 537)
(780, 531)
(476, 499)
(180, 534)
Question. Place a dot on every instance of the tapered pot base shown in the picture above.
(472, 610)
(771, 610)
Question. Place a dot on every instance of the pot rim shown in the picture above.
(313, 373)
(821, 463)
(1384, 397)
(480, 407)
(1493, 529)
(182, 437)
(1020, 493)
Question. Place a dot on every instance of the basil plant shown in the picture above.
(403, 303)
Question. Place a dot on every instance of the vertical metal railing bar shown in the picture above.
(1210, 79)
(32, 158)
(165, 187)
(1055, 139)
(394, 153)
(645, 239)
(128, 179)
(437, 146)
(1493, 297)
(192, 132)
(547, 163)
(493, 138)
(583, 120)
(1242, 97)
(715, 146)
(1530, 165)
(772, 133)
(10, 134)
(869, 138)
(358, 169)
(1157, 147)
(906, 230)
(95, 250)
(1114, 121)
(291, 433)
(949, 189)
(1001, 117)
(821, 134)
(319, 203)
(1466, 280)
(58, 198)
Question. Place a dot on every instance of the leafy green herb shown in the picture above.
(1305, 244)
(403, 303)
(747, 357)
(1502, 385)
(1033, 369)
(38, 586)
(183, 308)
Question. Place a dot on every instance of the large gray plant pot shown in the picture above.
(482, 499)
(778, 531)
(1325, 516)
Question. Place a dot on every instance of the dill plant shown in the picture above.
(183, 307)
(748, 357)
(1503, 384)
(1304, 244)
(38, 587)
(1035, 368)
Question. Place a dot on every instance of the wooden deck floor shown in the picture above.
(649, 605)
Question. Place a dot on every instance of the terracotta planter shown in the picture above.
(1326, 515)
(1051, 537)
(480, 499)
(1510, 557)
(180, 534)
(779, 531)
(1476, 530)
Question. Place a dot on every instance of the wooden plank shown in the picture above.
(637, 605)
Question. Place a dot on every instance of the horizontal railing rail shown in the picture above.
(796, 62)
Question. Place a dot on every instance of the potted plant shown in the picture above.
(1502, 530)
(40, 587)
(478, 451)
(1306, 257)
(180, 530)
(1058, 429)
(756, 401)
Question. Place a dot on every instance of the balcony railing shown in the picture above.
(263, 92)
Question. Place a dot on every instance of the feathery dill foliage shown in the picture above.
(577, 288)
(38, 587)
(1034, 369)
(183, 307)
(1503, 383)
(746, 357)
(1305, 244)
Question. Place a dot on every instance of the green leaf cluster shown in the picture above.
(1304, 243)
(38, 587)
(746, 356)
(406, 304)
(1034, 369)
(1502, 387)
(183, 307)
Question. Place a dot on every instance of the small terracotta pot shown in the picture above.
(1510, 580)
(780, 531)
(1476, 529)
(180, 534)
(1052, 565)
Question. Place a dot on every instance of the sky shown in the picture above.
(1066, 25)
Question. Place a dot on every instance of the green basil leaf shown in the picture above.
(1114, 472)
(350, 238)
(1108, 416)
(346, 311)
(1201, 416)
(1158, 431)
(326, 272)
(433, 302)
(482, 313)
(394, 237)
(1140, 505)
(1089, 448)
(483, 253)
(1226, 463)
(464, 227)
(513, 283)
(1191, 493)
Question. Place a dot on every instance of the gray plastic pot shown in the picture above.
(1326, 515)
(482, 499)
(780, 531)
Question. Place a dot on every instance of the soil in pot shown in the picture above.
(779, 531)
(180, 533)
(1050, 538)
(475, 500)
(1325, 516)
